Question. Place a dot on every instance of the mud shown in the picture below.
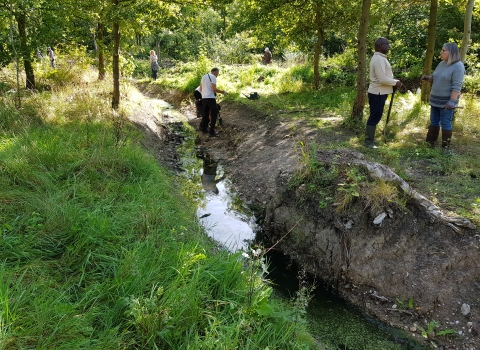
(410, 270)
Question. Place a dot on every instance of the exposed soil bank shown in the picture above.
(412, 256)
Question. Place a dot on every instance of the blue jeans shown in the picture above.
(441, 117)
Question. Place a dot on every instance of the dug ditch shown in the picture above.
(411, 270)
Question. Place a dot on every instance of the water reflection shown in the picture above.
(223, 223)
(209, 174)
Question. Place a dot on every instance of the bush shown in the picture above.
(303, 73)
(471, 83)
(234, 50)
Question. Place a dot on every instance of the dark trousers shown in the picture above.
(209, 109)
(377, 104)
(154, 74)
(198, 103)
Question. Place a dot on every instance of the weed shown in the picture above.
(302, 296)
(312, 176)
(349, 190)
(402, 305)
(430, 333)
(381, 195)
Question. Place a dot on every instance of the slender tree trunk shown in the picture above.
(116, 61)
(359, 104)
(318, 46)
(427, 64)
(18, 100)
(389, 26)
(157, 46)
(100, 49)
(467, 29)
(27, 63)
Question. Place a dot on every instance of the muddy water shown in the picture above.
(229, 221)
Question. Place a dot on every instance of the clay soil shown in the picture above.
(376, 268)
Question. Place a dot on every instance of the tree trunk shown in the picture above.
(157, 46)
(427, 64)
(100, 48)
(27, 63)
(467, 29)
(318, 47)
(115, 65)
(359, 104)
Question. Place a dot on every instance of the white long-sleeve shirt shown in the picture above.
(381, 75)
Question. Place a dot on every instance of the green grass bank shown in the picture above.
(99, 248)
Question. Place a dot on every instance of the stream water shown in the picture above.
(230, 222)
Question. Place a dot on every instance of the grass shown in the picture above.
(99, 248)
(448, 179)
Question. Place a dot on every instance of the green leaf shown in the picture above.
(264, 309)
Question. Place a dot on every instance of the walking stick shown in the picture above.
(388, 115)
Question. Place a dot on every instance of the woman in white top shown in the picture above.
(154, 64)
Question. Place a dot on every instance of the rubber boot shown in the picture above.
(446, 138)
(370, 136)
(432, 135)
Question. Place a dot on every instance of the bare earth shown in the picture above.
(411, 256)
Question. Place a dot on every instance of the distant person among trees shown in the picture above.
(39, 54)
(267, 57)
(447, 81)
(208, 88)
(381, 84)
(154, 64)
(51, 55)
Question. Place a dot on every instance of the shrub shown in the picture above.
(471, 83)
(234, 50)
(303, 72)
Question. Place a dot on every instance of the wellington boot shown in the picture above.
(370, 136)
(432, 135)
(446, 138)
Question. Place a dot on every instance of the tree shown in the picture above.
(100, 48)
(116, 56)
(359, 104)
(467, 29)
(306, 23)
(20, 16)
(427, 64)
(19, 11)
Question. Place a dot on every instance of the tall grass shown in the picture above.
(101, 251)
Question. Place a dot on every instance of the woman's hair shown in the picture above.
(151, 51)
(453, 53)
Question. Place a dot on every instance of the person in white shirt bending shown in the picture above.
(208, 88)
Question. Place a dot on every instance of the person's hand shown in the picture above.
(450, 105)
(426, 77)
(398, 84)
